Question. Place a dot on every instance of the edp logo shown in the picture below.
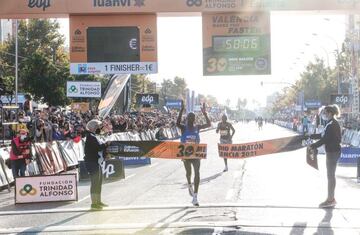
(39, 4)
(147, 99)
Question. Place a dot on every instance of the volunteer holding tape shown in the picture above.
(93, 147)
(331, 137)
(225, 128)
(190, 134)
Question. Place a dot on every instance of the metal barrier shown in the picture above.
(60, 156)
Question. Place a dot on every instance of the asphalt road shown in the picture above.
(272, 194)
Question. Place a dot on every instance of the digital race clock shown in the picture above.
(236, 43)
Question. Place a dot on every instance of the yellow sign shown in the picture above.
(80, 107)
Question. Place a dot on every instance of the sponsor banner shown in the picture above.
(151, 99)
(175, 104)
(56, 188)
(236, 44)
(343, 100)
(116, 85)
(53, 8)
(349, 155)
(259, 148)
(128, 161)
(157, 149)
(313, 104)
(113, 169)
(83, 89)
(113, 68)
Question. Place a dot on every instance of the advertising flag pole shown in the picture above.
(16, 62)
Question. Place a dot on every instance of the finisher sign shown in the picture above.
(236, 44)
(157, 149)
(260, 148)
(56, 188)
(113, 44)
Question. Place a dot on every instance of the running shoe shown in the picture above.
(191, 190)
(225, 169)
(195, 201)
(328, 204)
(96, 207)
(103, 204)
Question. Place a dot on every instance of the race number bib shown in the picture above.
(224, 132)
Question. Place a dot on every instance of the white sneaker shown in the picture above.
(226, 169)
(191, 190)
(195, 201)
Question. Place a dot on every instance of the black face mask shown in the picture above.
(98, 131)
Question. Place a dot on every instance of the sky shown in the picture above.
(295, 39)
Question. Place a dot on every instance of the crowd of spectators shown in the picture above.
(54, 123)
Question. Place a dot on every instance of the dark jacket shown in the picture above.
(92, 148)
(331, 137)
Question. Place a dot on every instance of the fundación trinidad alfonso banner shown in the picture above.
(56, 188)
(259, 148)
(157, 149)
(83, 89)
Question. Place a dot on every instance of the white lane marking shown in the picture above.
(166, 207)
(230, 194)
(130, 176)
(153, 165)
(204, 224)
(88, 196)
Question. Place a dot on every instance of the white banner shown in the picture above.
(83, 89)
(114, 68)
(56, 188)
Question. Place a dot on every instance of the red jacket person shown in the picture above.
(20, 153)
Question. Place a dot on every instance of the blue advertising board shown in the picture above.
(313, 104)
(173, 104)
(349, 155)
(129, 161)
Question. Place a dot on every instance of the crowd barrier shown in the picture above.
(350, 151)
(60, 156)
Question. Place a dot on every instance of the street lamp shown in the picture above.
(326, 53)
(336, 59)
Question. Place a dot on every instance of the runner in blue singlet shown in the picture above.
(190, 134)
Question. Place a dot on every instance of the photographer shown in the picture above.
(20, 153)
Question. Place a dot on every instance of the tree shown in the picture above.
(139, 84)
(317, 82)
(211, 101)
(179, 87)
(43, 62)
(44, 80)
